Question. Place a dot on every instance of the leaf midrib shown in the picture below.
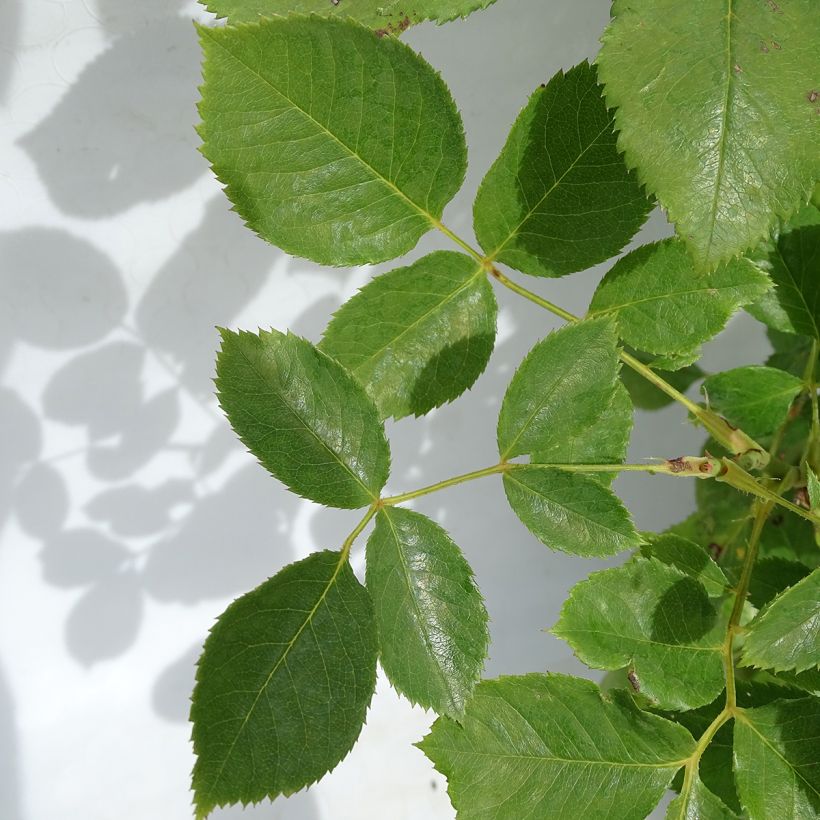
(352, 152)
(515, 231)
(438, 306)
(621, 536)
(723, 128)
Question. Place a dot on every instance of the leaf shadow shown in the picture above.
(683, 614)
(147, 149)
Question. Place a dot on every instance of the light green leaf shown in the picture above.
(559, 198)
(332, 143)
(689, 558)
(570, 512)
(755, 398)
(544, 747)
(303, 416)
(658, 620)
(418, 336)
(792, 262)
(698, 804)
(560, 390)
(771, 577)
(813, 488)
(431, 619)
(663, 306)
(386, 16)
(283, 684)
(775, 760)
(786, 634)
(605, 441)
(716, 109)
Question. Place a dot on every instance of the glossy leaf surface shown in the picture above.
(560, 389)
(664, 306)
(419, 336)
(571, 512)
(303, 416)
(559, 198)
(717, 108)
(785, 636)
(544, 747)
(431, 618)
(755, 398)
(775, 759)
(657, 620)
(332, 143)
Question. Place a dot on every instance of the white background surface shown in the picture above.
(129, 515)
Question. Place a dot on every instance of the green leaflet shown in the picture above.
(303, 416)
(537, 747)
(771, 577)
(689, 558)
(656, 619)
(605, 441)
(431, 619)
(570, 512)
(785, 636)
(813, 488)
(664, 306)
(283, 684)
(791, 353)
(716, 108)
(560, 389)
(775, 759)
(418, 336)
(386, 16)
(699, 804)
(559, 198)
(792, 262)
(333, 144)
(755, 398)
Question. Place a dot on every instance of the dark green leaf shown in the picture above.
(560, 390)
(785, 636)
(792, 262)
(775, 760)
(431, 619)
(689, 558)
(755, 398)
(791, 353)
(716, 108)
(544, 747)
(571, 512)
(419, 336)
(303, 416)
(386, 16)
(654, 618)
(663, 306)
(332, 143)
(283, 684)
(771, 577)
(559, 197)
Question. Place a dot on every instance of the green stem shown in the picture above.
(532, 297)
(737, 477)
(348, 542)
(441, 485)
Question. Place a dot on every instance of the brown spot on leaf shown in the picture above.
(678, 465)
(814, 95)
(776, 46)
(801, 498)
(715, 550)
(738, 69)
(633, 680)
(763, 47)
